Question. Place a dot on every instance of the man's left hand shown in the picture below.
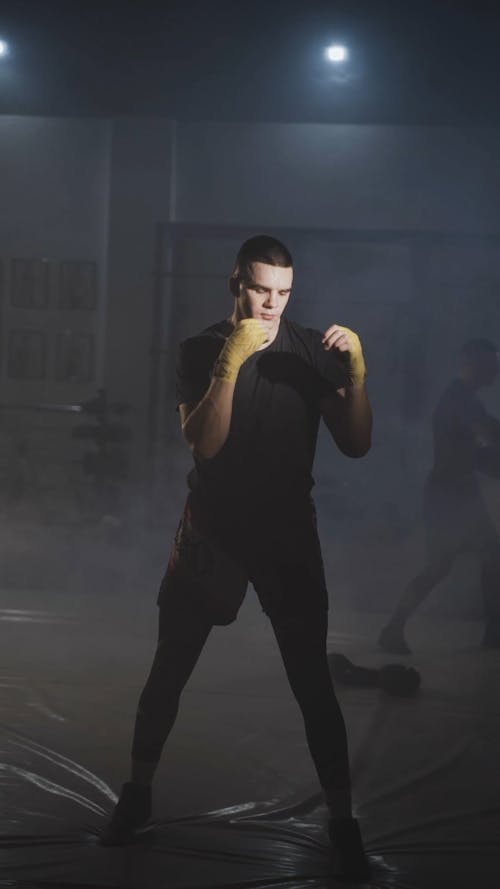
(347, 342)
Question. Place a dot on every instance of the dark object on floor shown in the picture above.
(349, 861)
(395, 679)
(132, 812)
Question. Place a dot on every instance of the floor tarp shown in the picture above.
(236, 800)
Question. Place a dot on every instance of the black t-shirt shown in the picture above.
(456, 419)
(269, 452)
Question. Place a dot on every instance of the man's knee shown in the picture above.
(437, 569)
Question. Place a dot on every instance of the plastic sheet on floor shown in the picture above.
(236, 801)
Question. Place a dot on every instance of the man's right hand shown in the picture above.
(248, 335)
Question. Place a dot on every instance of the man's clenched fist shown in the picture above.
(348, 343)
(248, 335)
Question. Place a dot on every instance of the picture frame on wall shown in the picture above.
(75, 356)
(26, 355)
(77, 285)
(30, 283)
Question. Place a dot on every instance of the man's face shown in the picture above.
(264, 293)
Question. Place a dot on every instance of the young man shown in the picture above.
(251, 391)
(466, 439)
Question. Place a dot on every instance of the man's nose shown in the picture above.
(271, 298)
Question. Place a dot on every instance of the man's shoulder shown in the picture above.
(202, 349)
(215, 331)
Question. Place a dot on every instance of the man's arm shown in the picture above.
(348, 418)
(205, 426)
(347, 412)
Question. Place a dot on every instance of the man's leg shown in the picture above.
(289, 579)
(302, 642)
(392, 635)
(446, 524)
(181, 637)
(182, 633)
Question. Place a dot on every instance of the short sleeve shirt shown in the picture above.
(270, 448)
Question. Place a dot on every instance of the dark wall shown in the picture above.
(53, 210)
(340, 176)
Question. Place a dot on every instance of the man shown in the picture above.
(250, 391)
(466, 439)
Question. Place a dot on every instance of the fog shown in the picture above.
(394, 233)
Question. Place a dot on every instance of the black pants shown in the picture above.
(302, 642)
(456, 522)
(284, 563)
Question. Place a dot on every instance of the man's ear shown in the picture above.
(234, 285)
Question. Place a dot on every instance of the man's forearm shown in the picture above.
(207, 426)
(359, 421)
(349, 420)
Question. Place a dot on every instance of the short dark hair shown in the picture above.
(261, 248)
(476, 347)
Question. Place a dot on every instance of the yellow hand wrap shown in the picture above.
(245, 339)
(354, 361)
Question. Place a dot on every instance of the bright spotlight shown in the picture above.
(336, 53)
(4, 49)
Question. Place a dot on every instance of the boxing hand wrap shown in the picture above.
(354, 361)
(245, 339)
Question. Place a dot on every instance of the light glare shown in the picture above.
(4, 48)
(336, 53)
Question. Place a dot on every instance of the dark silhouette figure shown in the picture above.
(466, 441)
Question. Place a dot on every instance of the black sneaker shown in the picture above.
(393, 640)
(132, 811)
(349, 862)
